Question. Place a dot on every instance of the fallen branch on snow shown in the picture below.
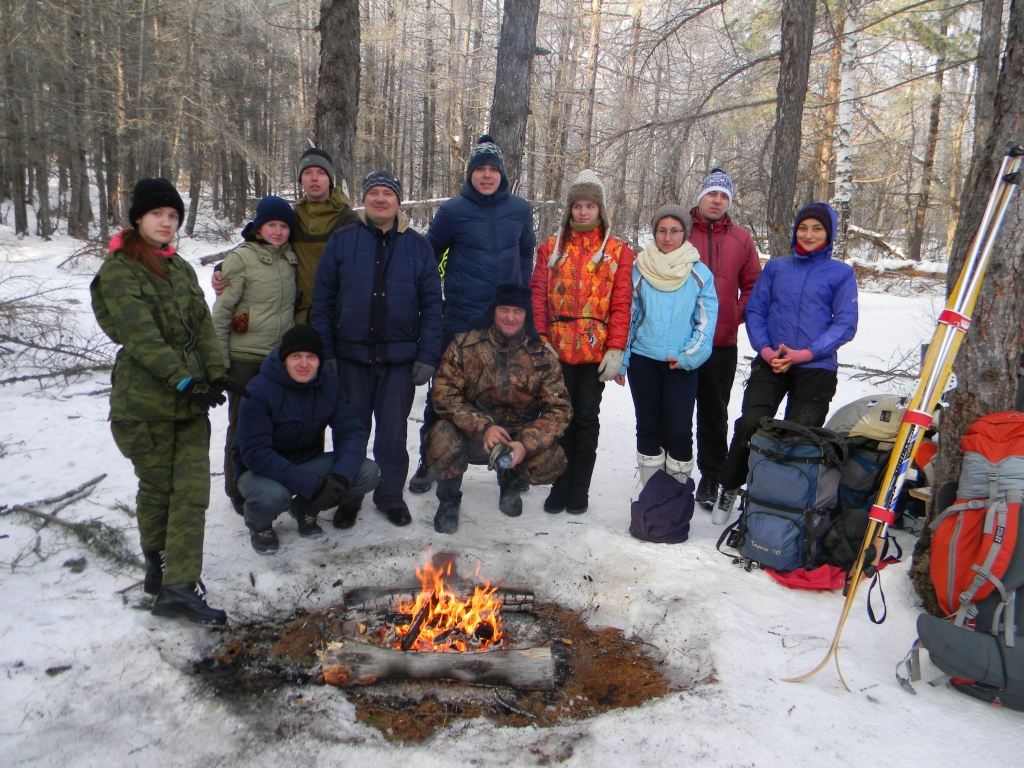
(104, 539)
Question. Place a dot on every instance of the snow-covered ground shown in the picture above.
(129, 698)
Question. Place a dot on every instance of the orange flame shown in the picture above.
(477, 616)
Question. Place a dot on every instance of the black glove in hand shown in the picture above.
(421, 373)
(328, 492)
(224, 384)
(200, 394)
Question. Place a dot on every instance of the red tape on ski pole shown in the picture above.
(881, 515)
(920, 418)
(955, 320)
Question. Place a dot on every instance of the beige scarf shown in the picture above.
(666, 271)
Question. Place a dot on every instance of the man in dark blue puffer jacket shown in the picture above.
(487, 234)
(278, 451)
(377, 305)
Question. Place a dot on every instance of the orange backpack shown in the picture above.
(974, 539)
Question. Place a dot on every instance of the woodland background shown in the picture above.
(220, 97)
(896, 111)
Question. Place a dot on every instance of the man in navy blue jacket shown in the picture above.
(278, 452)
(377, 305)
(485, 237)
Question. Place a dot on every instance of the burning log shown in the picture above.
(355, 663)
(387, 599)
(417, 623)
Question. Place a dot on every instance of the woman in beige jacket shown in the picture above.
(256, 309)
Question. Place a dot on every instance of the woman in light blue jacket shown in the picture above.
(675, 308)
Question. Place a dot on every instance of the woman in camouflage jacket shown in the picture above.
(169, 372)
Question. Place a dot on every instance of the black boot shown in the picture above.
(154, 572)
(579, 484)
(707, 491)
(449, 496)
(238, 504)
(509, 501)
(186, 601)
(305, 515)
(421, 481)
(555, 502)
(345, 517)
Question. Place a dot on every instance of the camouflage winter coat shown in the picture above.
(166, 335)
(486, 379)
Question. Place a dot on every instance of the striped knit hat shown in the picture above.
(382, 179)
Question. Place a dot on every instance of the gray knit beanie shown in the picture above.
(676, 212)
(317, 158)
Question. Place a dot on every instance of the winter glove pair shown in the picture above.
(224, 384)
(329, 492)
(201, 394)
(421, 373)
(210, 395)
(610, 365)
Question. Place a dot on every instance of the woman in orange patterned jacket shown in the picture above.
(581, 306)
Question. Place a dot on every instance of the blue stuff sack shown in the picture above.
(792, 488)
(663, 512)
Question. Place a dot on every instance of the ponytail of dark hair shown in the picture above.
(133, 244)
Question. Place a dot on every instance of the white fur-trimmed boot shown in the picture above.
(680, 470)
(648, 465)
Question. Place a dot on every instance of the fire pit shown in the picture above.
(446, 628)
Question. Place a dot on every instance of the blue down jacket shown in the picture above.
(403, 324)
(679, 323)
(282, 425)
(489, 240)
(804, 302)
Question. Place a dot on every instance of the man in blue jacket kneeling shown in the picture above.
(279, 448)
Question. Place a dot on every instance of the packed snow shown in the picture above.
(726, 636)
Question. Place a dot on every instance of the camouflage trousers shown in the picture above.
(449, 452)
(172, 462)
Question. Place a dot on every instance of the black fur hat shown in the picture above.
(511, 295)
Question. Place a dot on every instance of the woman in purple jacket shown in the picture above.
(803, 308)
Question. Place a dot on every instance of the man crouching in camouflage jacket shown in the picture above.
(502, 402)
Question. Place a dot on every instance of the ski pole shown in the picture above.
(952, 325)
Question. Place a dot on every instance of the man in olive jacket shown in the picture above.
(322, 209)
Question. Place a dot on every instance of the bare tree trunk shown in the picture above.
(511, 103)
(618, 212)
(594, 51)
(429, 115)
(337, 98)
(825, 156)
(917, 232)
(844, 139)
(795, 60)
(987, 66)
(17, 161)
(986, 368)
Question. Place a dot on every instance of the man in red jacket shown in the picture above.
(728, 251)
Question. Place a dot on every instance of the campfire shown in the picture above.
(439, 620)
(446, 627)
